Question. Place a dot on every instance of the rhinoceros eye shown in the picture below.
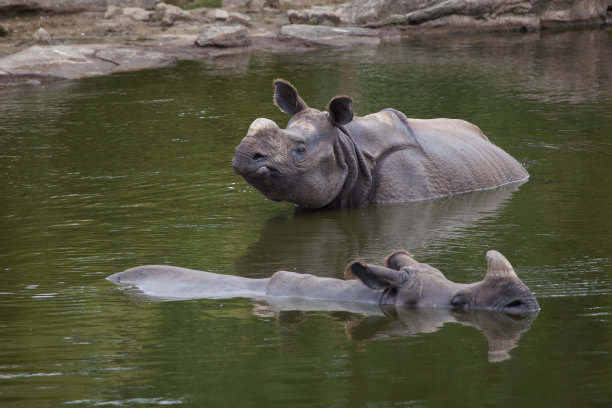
(460, 300)
(298, 152)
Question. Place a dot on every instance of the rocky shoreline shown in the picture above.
(45, 40)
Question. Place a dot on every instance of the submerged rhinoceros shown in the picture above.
(401, 282)
(336, 159)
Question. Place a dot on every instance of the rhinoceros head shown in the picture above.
(410, 283)
(303, 163)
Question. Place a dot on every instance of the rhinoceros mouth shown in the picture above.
(262, 179)
(259, 172)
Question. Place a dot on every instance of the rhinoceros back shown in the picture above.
(173, 282)
(460, 150)
(286, 284)
(445, 156)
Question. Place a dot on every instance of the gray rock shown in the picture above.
(79, 61)
(317, 15)
(42, 36)
(71, 6)
(132, 59)
(145, 4)
(61, 62)
(303, 4)
(113, 11)
(224, 36)
(137, 13)
(554, 13)
(239, 18)
(117, 24)
(54, 6)
(329, 36)
(234, 4)
(217, 15)
(466, 14)
(256, 6)
(168, 14)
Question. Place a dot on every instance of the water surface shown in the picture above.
(102, 174)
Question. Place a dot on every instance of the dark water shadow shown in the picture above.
(322, 243)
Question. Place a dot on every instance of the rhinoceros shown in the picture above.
(402, 281)
(336, 159)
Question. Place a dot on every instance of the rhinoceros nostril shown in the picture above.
(514, 303)
(258, 156)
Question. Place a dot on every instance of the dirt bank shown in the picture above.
(41, 42)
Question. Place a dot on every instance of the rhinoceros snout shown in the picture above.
(259, 147)
(245, 162)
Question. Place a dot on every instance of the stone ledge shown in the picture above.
(329, 36)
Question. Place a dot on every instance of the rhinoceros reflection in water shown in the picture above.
(372, 322)
(402, 281)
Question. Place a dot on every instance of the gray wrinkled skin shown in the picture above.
(385, 158)
(407, 282)
(401, 282)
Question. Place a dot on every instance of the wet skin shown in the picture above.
(336, 159)
(401, 282)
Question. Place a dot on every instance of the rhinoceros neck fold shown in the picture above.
(358, 181)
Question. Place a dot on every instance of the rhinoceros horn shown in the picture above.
(498, 267)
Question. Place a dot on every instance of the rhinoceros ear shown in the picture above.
(340, 110)
(376, 277)
(286, 97)
(399, 259)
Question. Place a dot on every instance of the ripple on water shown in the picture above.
(125, 402)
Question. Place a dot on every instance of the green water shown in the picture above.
(102, 174)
